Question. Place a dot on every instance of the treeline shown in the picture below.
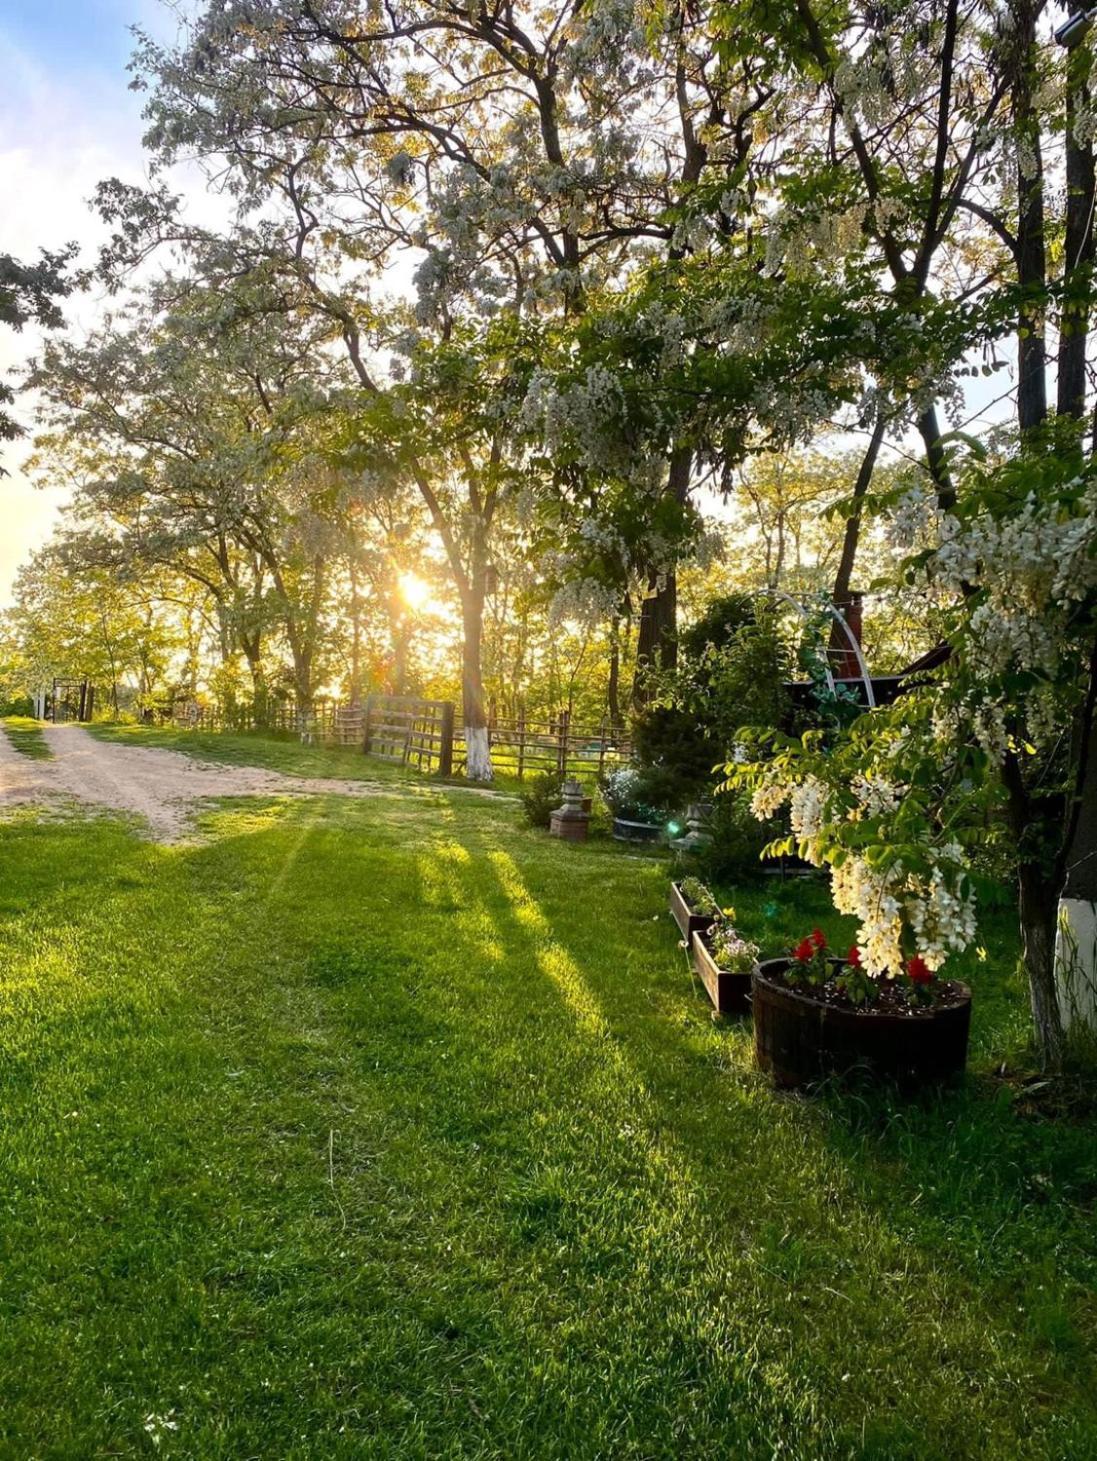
(510, 300)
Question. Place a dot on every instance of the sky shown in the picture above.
(67, 119)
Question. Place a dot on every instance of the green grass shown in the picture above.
(26, 736)
(388, 1128)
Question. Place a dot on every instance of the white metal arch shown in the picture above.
(835, 614)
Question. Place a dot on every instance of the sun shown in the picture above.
(414, 592)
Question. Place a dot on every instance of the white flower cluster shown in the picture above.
(868, 895)
(912, 517)
(939, 910)
(585, 601)
(769, 797)
(884, 897)
(876, 796)
(942, 911)
(808, 805)
(1032, 567)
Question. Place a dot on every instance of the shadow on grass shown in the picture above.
(394, 1139)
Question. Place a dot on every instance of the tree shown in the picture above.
(190, 436)
(29, 294)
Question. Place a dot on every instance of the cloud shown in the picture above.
(64, 125)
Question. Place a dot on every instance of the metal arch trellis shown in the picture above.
(834, 613)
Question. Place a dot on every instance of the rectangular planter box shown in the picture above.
(688, 921)
(730, 993)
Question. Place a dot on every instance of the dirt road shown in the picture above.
(163, 788)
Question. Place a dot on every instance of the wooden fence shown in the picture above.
(522, 747)
(428, 734)
(414, 732)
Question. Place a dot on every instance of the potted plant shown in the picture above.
(816, 1015)
(692, 907)
(725, 963)
(632, 794)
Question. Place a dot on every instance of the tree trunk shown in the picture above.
(657, 639)
(1037, 912)
(252, 646)
(613, 689)
(477, 748)
(1031, 253)
(1076, 928)
(1074, 321)
(1038, 890)
(843, 579)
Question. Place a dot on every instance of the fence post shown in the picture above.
(562, 752)
(521, 738)
(602, 749)
(366, 725)
(445, 749)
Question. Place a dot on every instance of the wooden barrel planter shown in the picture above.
(800, 1038)
(684, 916)
(730, 993)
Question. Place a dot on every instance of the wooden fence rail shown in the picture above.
(428, 734)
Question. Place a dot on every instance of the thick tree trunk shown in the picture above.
(477, 748)
(657, 638)
(252, 646)
(1031, 252)
(1037, 913)
(1074, 321)
(1038, 891)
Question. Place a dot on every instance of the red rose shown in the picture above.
(817, 938)
(853, 958)
(918, 971)
(804, 951)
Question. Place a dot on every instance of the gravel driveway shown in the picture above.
(165, 788)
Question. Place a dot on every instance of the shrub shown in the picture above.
(734, 855)
(641, 793)
(540, 797)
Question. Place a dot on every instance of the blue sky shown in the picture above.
(67, 119)
(73, 35)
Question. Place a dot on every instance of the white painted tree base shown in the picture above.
(1076, 964)
(477, 754)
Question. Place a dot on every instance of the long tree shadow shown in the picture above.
(409, 1117)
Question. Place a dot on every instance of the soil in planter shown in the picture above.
(803, 1035)
(892, 1000)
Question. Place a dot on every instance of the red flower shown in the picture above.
(817, 938)
(853, 958)
(918, 971)
(804, 951)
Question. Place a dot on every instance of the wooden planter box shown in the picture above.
(626, 831)
(800, 1039)
(684, 916)
(730, 993)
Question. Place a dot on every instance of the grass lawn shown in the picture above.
(26, 736)
(388, 1128)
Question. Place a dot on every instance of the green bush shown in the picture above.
(540, 797)
(734, 855)
(643, 793)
